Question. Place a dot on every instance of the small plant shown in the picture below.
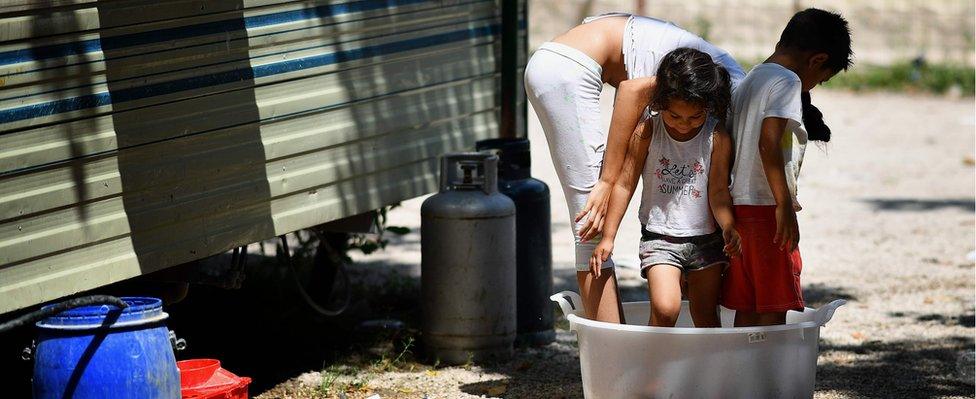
(332, 384)
(358, 369)
(384, 363)
(368, 243)
(407, 344)
(328, 380)
(361, 382)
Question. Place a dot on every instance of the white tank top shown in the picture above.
(647, 40)
(674, 200)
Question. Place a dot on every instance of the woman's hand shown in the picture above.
(631, 99)
(600, 255)
(595, 211)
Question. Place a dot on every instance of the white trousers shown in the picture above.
(563, 84)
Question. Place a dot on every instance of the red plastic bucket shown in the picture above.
(204, 379)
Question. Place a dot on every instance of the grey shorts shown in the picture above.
(686, 253)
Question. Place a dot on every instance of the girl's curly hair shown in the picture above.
(690, 75)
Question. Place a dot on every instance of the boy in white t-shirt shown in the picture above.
(771, 123)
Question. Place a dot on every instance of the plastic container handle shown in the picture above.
(570, 302)
(826, 312)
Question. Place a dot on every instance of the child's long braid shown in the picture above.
(817, 130)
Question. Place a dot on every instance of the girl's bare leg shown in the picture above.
(601, 300)
(664, 290)
(703, 291)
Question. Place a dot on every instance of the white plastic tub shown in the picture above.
(637, 361)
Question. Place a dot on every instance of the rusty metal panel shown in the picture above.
(131, 141)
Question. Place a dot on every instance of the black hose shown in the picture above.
(242, 260)
(37, 315)
(238, 264)
(233, 258)
(301, 289)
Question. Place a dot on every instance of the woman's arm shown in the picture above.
(719, 197)
(632, 97)
(622, 191)
(631, 100)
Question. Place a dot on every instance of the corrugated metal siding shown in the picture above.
(136, 135)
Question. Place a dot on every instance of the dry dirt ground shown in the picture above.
(888, 224)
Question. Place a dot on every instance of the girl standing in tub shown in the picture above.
(563, 81)
(683, 154)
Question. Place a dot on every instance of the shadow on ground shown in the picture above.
(916, 205)
(967, 320)
(555, 380)
(564, 280)
(911, 368)
(267, 332)
(817, 295)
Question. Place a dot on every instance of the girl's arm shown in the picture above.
(632, 97)
(622, 191)
(719, 197)
(771, 134)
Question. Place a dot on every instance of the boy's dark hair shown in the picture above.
(823, 32)
(690, 75)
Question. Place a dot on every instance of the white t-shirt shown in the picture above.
(769, 90)
(674, 200)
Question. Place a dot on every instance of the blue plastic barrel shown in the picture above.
(102, 352)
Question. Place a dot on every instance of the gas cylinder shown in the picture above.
(533, 239)
(467, 280)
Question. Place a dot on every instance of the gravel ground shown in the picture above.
(888, 223)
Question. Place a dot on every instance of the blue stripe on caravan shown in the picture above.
(195, 82)
(324, 12)
(46, 52)
(372, 51)
(55, 107)
(237, 75)
(226, 26)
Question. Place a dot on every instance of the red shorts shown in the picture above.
(763, 279)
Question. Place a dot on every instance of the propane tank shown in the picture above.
(467, 236)
(533, 240)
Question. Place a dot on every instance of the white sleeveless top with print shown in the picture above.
(674, 201)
